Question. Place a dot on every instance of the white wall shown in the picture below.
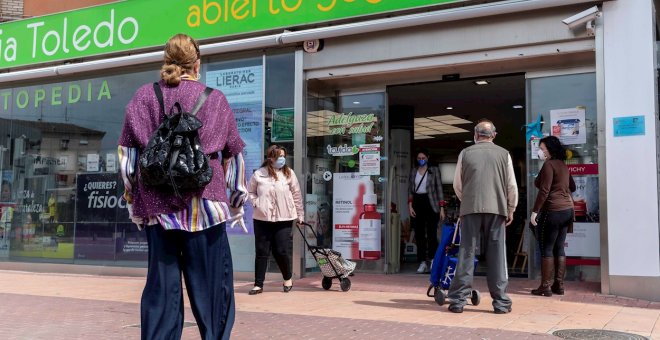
(632, 188)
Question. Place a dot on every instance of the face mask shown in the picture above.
(279, 163)
(421, 162)
(541, 155)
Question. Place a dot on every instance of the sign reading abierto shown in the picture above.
(128, 25)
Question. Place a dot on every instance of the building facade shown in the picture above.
(352, 89)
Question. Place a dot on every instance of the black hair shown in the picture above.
(554, 146)
(424, 151)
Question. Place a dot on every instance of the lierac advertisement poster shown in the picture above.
(243, 87)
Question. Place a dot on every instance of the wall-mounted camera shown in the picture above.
(313, 46)
(585, 17)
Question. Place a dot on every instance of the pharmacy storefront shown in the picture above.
(351, 89)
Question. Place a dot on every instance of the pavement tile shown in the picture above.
(377, 307)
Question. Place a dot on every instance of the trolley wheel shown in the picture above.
(439, 297)
(326, 283)
(475, 298)
(345, 284)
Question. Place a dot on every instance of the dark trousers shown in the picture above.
(491, 227)
(553, 232)
(426, 227)
(273, 236)
(204, 258)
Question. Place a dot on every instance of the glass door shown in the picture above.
(347, 176)
(565, 106)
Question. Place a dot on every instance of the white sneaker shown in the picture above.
(422, 268)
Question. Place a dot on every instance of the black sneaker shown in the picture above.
(503, 311)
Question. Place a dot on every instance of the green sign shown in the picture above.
(136, 24)
(282, 130)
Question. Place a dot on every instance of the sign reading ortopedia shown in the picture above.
(131, 25)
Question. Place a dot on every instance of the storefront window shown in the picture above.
(345, 141)
(260, 92)
(565, 106)
(61, 188)
(59, 169)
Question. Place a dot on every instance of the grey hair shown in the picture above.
(485, 129)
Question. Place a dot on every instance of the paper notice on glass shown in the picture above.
(534, 146)
(569, 125)
(111, 162)
(93, 162)
(370, 159)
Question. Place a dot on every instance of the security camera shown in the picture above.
(582, 17)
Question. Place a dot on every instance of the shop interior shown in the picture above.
(440, 117)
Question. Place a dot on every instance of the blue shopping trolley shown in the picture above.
(444, 265)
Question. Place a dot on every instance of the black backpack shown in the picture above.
(174, 158)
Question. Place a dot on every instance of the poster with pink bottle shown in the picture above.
(348, 191)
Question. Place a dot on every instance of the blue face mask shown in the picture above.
(279, 163)
(421, 162)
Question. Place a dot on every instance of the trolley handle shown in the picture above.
(303, 234)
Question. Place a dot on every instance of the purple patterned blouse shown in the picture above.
(219, 134)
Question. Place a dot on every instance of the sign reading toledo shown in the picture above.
(128, 25)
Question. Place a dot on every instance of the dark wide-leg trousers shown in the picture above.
(492, 227)
(204, 258)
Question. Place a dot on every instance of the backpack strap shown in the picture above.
(159, 95)
(201, 100)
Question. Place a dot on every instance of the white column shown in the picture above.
(633, 238)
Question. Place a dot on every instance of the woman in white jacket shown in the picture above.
(275, 195)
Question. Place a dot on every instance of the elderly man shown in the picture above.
(486, 185)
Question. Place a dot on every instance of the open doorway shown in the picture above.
(439, 117)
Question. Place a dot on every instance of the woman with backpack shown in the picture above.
(274, 192)
(185, 227)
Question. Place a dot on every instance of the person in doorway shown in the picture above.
(554, 205)
(485, 183)
(185, 233)
(425, 199)
(274, 192)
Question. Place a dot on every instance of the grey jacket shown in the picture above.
(485, 181)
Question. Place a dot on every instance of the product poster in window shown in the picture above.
(356, 232)
(243, 87)
(569, 125)
(99, 198)
(585, 239)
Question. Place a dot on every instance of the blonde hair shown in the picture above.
(181, 53)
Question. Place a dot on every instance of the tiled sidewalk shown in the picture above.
(61, 306)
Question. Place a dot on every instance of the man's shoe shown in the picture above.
(255, 291)
(503, 311)
(422, 268)
(455, 309)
